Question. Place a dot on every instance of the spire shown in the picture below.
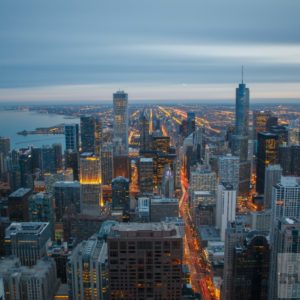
(242, 74)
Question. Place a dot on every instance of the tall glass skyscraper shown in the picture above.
(240, 138)
(242, 110)
(120, 110)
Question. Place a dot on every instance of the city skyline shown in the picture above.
(155, 51)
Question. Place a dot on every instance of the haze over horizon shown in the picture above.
(73, 50)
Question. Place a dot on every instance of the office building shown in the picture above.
(260, 119)
(145, 169)
(143, 209)
(226, 207)
(87, 269)
(168, 182)
(57, 148)
(286, 198)
(18, 203)
(91, 134)
(66, 195)
(203, 180)
(90, 180)
(121, 164)
(282, 133)
(72, 162)
(145, 138)
(229, 166)
(4, 145)
(27, 241)
(295, 153)
(161, 208)
(285, 244)
(285, 159)
(272, 177)
(293, 132)
(145, 261)
(107, 167)
(25, 167)
(161, 144)
(120, 195)
(261, 220)
(41, 209)
(251, 265)
(21, 282)
(191, 122)
(234, 235)
(267, 154)
(120, 125)
(72, 137)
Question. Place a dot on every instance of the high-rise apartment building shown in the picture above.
(145, 261)
(72, 137)
(27, 241)
(87, 269)
(4, 145)
(267, 154)
(120, 112)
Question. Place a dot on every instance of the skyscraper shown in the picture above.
(285, 244)
(267, 154)
(91, 134)
(229, 170)
(90, 180)
(87, 268)
(241, 135)
(120, 195)
(145, 261)
(251, 265)
(272, 177)
(120, 112)
(72, 137)
(27, 241)
(260, 119)
(18, 203)
(191, 122)
(107, 169)
(226, 207)
(145, 138)
(146, 175)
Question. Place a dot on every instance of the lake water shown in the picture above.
(13, 121)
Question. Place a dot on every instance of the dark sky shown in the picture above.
(158, 49)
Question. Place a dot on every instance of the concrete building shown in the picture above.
(107, 167)
(23, 283)
(228, 166)
(203, 180)
(87, 269)
(226, 207)
(27, 241)
(272, 177)
(145, 261)
(160, 208)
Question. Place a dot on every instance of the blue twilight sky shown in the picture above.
(155, 49)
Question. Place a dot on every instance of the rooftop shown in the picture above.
(20, 192)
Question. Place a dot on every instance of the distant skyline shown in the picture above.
(162, 50)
